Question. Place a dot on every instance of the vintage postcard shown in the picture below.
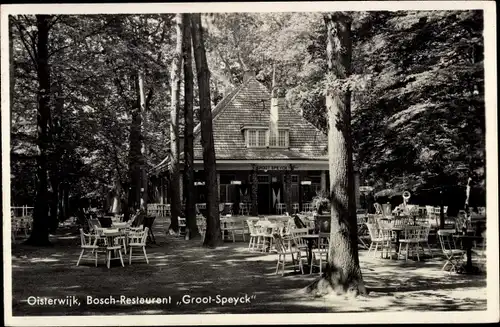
(249, 163)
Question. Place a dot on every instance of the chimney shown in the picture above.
(248, 74)
(277, 105)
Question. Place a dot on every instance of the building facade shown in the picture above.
(259, 140)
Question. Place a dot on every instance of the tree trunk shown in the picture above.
(65, 201)
(189, 188)
(213, 236)
(288, 192)
(54, 201)
(342, 273)
(254, 194)
(175, 203)
(142, 128)
(40, 232)
(134, 196)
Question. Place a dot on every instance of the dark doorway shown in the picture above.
(263, 196)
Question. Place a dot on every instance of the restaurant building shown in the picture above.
(259, 140)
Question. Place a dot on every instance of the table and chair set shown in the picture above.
(281, 235)
(399, 236)
(21, 226)
(458, 248)
(114, 239)
(407, 235)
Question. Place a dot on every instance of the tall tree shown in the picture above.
(213, 236)
(40, 233)
(188, 130)
(342, 273)
(137, 160)
(143, 127)
(174, 127)
(135, 156)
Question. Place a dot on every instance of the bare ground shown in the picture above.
(178, 268)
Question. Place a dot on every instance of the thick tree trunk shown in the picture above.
(40, 232)
(342, 273)
(189, 188)
(56, 172)
(175, 202)
(213, 236)
(134, 196)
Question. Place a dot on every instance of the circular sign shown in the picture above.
(406, 195)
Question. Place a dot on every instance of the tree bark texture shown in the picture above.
(213, 236)
(175, 194)
(135, 156)
(40, 232)
(189, 188)
(342, 273)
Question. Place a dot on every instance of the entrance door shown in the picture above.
(276, 196)
(263, 197)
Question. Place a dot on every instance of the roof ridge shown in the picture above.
(307, 121)
(222, 104)
(215, 112)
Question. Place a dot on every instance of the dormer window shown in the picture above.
(258, 137)
(252, 136)
(261, 139)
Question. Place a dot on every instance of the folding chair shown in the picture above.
(321, 253)
(454, 256)
(281, 260)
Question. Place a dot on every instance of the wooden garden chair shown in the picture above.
(138, 240)
(89, 243)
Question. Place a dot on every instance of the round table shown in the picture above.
(111, 235)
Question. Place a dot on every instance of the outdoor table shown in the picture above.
(397, 231)
(110, 235)
(120, 225)
(310, 238)
(467, 241)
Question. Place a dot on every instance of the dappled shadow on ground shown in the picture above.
(181, 268)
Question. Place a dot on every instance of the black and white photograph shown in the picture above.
(249, 163)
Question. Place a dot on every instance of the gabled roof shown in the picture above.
(249, 104)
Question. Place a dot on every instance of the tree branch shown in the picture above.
(25, 42)
(90, 34)
(57, 18)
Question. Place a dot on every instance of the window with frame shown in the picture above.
(264, 138)
(283, 138)
(272, 139)
(252, 138)
(279, 142)
(261, 139)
